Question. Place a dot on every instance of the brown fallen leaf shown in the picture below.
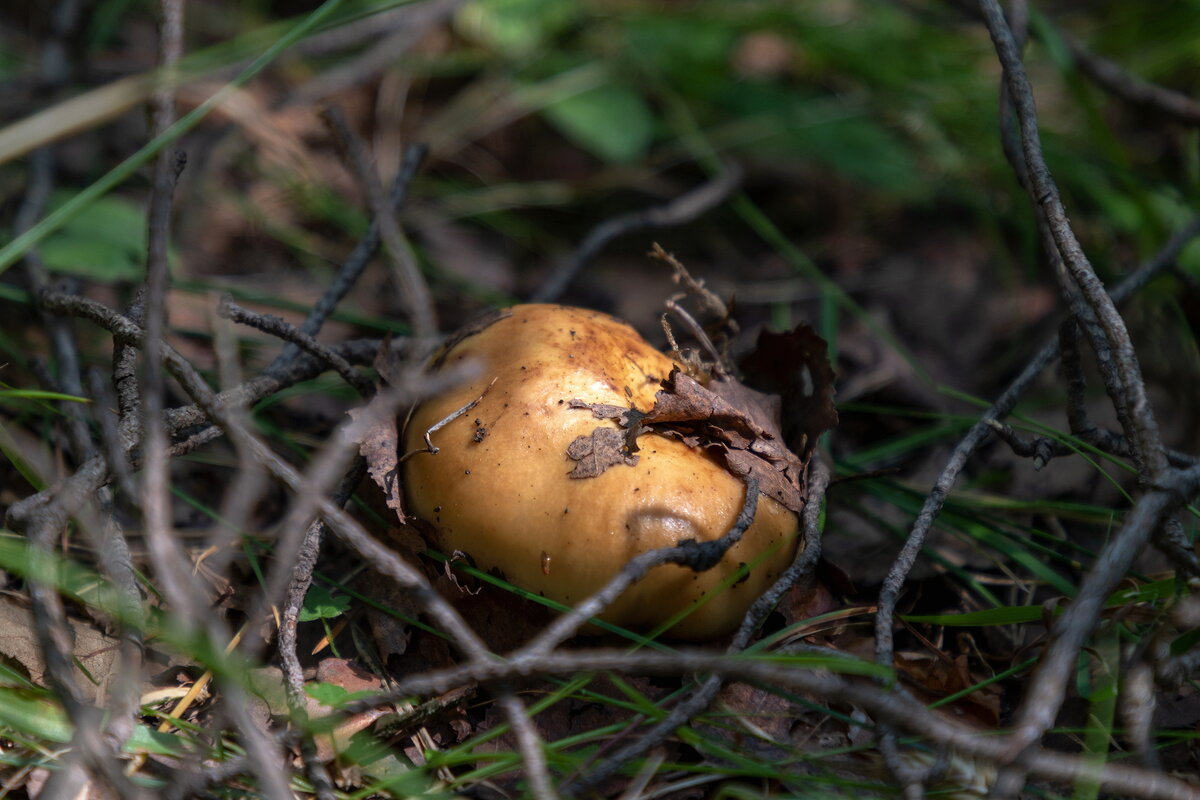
(379, 446)
(92, 650)
(736, 423)
(795, 366)
(741, 437)
(743, 427)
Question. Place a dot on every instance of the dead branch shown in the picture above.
(277, 326)
(1119, 368)
(896, 708)
(678, 211)
(1116, 80)
(422, 313)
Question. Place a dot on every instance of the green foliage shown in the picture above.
(105, 243)
(320, 604)
(331, 694)
(613, 122)
(516, 28)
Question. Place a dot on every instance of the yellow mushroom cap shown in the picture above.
(499, 487)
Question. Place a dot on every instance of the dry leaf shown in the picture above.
(379, 445)
(604, 448)
(93, 650)
(795, 365)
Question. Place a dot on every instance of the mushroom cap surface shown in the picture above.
(499, 488)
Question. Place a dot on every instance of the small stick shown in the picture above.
(278, 327)
(430, 447)
(680, 210)
(422, 312)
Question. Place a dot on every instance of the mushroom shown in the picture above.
(500, 486)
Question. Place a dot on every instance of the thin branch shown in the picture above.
(678, 211)
(1115, 79)
(418, 301)
(358, 260)
(897, 574)
(1040, 705)
(357, 351)
(154, 496)
(894, 707)
(1127, 390)
(529, 742)
(94, 472)
(278, 327)
(301, 580)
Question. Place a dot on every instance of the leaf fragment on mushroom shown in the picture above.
(603, 448)
(745, 438)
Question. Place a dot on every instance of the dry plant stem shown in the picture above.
(293, 673)
(103, 399)
(1118, 365)
(267, 761)
(386, 562)
(329, 466)
(298, 586)
(419, 302)
(91, 750)
(54, 69)
(697, 331)
(806, 559)
(1079, 421)
(1042, 449)
(112, 550)
(1128, 390)
(1173, 541)
(430, 447)
(1010, 138)
(276, 326)
(895, 707)
(304, 367)
(165, 553)
(708, 300)
(529, 741)
(1137, 709)
(94, 472)
(680, 210)
(966, 447)
(698, 556)
(415, 21)
(1114, 79)
(125, 383)
(353, 267)
(170, 562)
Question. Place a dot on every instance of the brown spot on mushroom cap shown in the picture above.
(672, 493)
